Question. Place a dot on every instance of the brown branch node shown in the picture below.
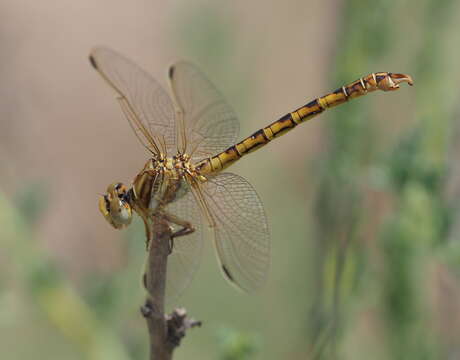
(177, 324)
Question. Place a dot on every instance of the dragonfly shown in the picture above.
(191, 138)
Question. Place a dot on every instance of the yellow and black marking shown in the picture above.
(376, 81)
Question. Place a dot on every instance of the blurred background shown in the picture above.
(366, 255)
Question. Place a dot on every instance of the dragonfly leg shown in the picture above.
(148, 234)
(187, 227)
(171, 245)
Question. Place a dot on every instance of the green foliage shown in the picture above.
(415, 174)
(31, 201)
(235, 345)
(47, 290)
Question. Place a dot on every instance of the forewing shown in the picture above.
(209, 123)
(242, 238)
(150, 103)
(187, 250)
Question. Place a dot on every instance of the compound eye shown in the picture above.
(120, 190)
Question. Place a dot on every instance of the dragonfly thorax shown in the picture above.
(161, 182)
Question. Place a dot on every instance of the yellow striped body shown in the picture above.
(375, 81)
(170, 191)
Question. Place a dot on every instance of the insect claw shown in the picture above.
(400, 78)
(391, 81)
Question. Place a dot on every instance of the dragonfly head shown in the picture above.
(115, 206)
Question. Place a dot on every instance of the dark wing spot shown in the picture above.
(171, 71)
(230, 277)
(93, 62)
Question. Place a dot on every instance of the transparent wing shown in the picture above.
(187, 251)
(209, 123)
(242, 239)
(151, 108)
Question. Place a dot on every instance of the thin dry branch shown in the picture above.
(165, 331)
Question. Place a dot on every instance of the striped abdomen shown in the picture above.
(375, 81)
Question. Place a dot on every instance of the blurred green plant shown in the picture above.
(235, 345)
(31, 201)
(46, 289)
(338, 208)
(415, 176)
(422, 219)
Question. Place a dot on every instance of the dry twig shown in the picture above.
(165, 331)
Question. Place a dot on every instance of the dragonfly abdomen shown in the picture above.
(376, 81)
